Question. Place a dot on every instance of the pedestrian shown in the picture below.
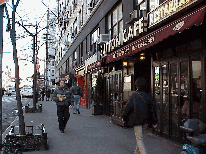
(48, 92)
(92, 96)
(63, 98)
(76, 91)
(143, 105)
(42, 94)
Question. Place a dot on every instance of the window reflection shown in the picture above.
(184, 81)
(196, 89)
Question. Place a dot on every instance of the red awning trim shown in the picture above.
(79, 68)
(94, 65)
(194, 18)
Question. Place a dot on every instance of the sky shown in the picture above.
(29, 12)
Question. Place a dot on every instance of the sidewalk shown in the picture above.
(88, 134)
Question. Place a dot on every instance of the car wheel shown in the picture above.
(184, 152)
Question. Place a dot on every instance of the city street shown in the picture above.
(9, 109)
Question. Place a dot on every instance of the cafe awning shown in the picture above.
(194, 18)
(94, 65)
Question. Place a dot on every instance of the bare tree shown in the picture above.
(13, 39)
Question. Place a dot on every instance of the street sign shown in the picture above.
(2, 1)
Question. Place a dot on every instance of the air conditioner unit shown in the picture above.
(104, 38)
(90, 6)
(133, 15)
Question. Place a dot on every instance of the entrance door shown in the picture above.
(174, 84)
(165, 97)
(107, 95)
(157, 94)
(113, 92)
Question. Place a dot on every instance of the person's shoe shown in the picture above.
(78, 112)
(62, 131)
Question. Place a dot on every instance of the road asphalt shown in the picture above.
(89, 134)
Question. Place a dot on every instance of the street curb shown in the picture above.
(14, 123)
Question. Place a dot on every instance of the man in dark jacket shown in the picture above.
(48, 92)
(144, 109)
(76, 91)
(63, 98)
(42, 94)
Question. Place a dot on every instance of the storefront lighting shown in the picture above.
(142, 56)
(131, 64)
(124, 63)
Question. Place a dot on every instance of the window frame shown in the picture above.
(110, 25)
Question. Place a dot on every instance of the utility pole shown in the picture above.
(34, 76)
(47, 49)
(1, 50)
(19, 104)
(36, 95)
(34, 61)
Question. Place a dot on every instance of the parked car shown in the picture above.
(11, 91)
(27, 91)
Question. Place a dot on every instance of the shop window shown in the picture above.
(165, 96)
(184, 92)
(157, 94)
(174, 97)
(196, 89)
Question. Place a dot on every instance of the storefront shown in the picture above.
(93, 66)
(81, 82)
(175, 71)
(178, 78)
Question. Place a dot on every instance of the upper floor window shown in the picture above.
(94, 38)
(141, 5)
(115, 22)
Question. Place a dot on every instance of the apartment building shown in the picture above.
(161, 40)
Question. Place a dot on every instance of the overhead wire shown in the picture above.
(21, 19)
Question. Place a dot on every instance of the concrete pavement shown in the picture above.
(88, 134)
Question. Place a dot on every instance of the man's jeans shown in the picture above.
(140, 148)
(76, 103)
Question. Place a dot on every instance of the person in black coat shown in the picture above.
(144, 108)
(42, 94)
(48, 92)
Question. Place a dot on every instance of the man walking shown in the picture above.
(144, 109)
(63, 98)
(48, 92)
(42, 94)
(76, 91)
